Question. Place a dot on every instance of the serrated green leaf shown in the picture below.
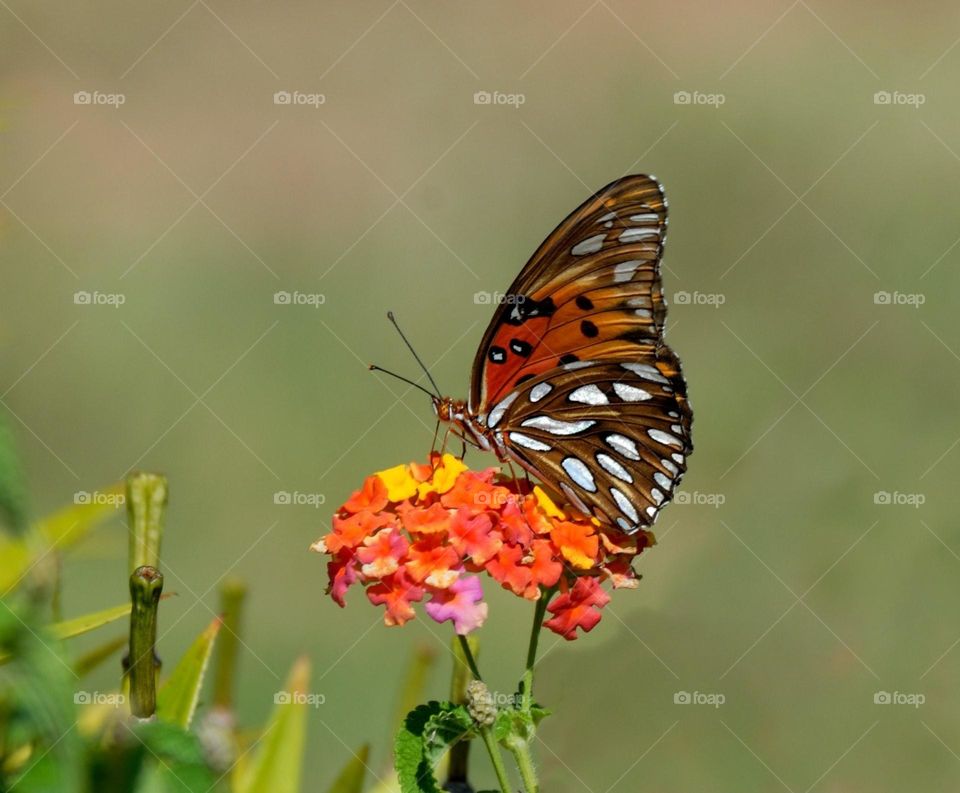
(427, 732)
(277, 763)
(178, 696)
(352, 776)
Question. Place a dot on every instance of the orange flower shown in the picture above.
(435, 519)
(577, 542)
(421, 530)
(507, 569)
(396, 592)
(474, 538)
(372, 497)
(577, 608)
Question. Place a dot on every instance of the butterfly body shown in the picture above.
(573, 380)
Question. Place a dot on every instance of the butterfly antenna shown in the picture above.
(374, 368)
(410, 347)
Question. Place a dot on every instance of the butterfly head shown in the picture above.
(449, 409)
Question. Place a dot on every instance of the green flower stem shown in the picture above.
(146, 505)
(523, 756)
(493, 748)
(468, 657)
(458, 759)
(146, 585)
(526, 686)
(232, 594)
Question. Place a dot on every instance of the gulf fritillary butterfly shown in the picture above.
(573, 380)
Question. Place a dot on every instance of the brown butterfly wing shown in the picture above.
(613, 438)
(573, 375)
(591, 291)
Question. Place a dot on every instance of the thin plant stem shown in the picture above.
(468, 656)
(540, 610)
(493, 749)
(486, 734)
(524, 758)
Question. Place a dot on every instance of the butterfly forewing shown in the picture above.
(591, 290)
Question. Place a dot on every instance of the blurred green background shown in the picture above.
(796, 192)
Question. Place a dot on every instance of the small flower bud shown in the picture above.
(480, 703)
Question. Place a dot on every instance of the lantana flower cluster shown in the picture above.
(427, 532)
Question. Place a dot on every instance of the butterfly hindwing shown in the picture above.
(612, 438)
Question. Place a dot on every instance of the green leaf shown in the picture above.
(352, 776)
(69, 525)
(88, 622)
(427, 732)
(276, 766)
(513, 723)
(172, 760)
(177, 698)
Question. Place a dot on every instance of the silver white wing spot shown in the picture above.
(633, 235)
(539, 391)
(529, 443)
(624, 503)
(589, 395)
(665, 438)
(629, 393)
(578, 471)
(612, 466)
(556, 426)
(624, 271)
(661, 480)
(621, 443)
(500, 408)
(646, 371)
(589, 245)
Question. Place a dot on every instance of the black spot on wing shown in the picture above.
(497, 354)
(521, 347)
(567, 358)
(583, 302)
(525, 308)
(588, 329)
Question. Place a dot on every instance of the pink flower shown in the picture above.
(460, 602)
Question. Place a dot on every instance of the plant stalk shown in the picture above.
(232, 594)
(526, 685)
(146, 585)
(146, 505)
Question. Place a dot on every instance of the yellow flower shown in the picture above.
(547, 505)
(400, 484)
(444, 476)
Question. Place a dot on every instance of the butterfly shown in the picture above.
(573, 380)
